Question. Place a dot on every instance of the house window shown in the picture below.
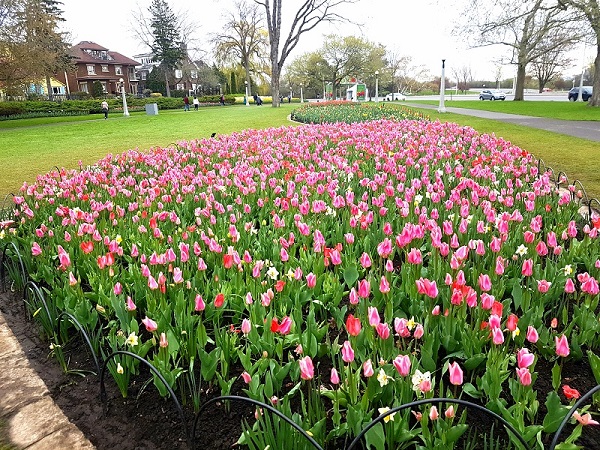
(180, 86)
(143, 74)
(83, 87)
(194, 74)
(104, 68)
(194, 86)
(178, 73)
(118, 70)
(103, 83)
(91, 69)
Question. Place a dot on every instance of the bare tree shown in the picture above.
(464, 77)
(245, 40)
(309, 14)
(549, 64)
(591, 11)
(406, 77)
(522, 26)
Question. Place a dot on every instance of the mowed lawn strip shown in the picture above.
(26, 151)
(549, 109)
(35, 146)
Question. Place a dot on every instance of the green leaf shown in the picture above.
(595, 364)
(471, 390)
(455, 432)
(556, 376)
(474, 361)
(350, 275)
(556, 413)
(564, 446)
(375, 437)
(517, 294)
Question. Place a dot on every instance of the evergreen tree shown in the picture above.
(233, 84)
(167, 45)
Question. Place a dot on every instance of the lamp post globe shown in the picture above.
(247, 98)
(301, 94)
(442, 106)
(125, 109)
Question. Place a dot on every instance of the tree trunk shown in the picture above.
(49, 88)
(167, 83)
(520, 87)
(275, 80)
(595, 100)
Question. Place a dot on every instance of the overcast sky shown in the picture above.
(417, 28)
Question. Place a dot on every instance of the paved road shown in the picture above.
(578, 128)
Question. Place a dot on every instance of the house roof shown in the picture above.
(90, 52)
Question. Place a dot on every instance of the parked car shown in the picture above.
(491, 95)
(395, 96)
(586, 93)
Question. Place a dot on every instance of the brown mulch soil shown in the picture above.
(146, 421)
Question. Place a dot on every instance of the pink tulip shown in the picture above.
(365, 260)
(449, 413)
(36, 250)
(384, 285)
(524, 376)
(524, 358)
(307, 371)
(163, 342)
(569, 286)
(63, 258)
(414, 256)
(456, 374)
(527, 269)
(353, 297)
(497, 336)
(149, 324)
(246, 326)
(562, 346)
(72, 279)
(586, 419)
(419, 331)
(117, 288)
(543, 286)
(285, 325)
(384, 248)
(485, 284)
(334, 377)
(532, 334)
(177, 275)
(129, 304)
(368, 368)
(402, 364)
(152, 284)
(364, 288)
(199, 304)
(246, 377)
(433, 413)
(427, 287)
(311, 280)
(347, 352)
(373, 314)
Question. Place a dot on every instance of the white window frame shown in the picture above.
(83, 87)
(103, 83)
(180, 86)
(118, 70)
(104, 67)
(91, 69)
(178, 73)
(194, 74)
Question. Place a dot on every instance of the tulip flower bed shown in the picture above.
(351, 112)
(334, 272)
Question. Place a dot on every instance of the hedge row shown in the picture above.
(93, 106)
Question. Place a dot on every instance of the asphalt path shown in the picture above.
(578, 128)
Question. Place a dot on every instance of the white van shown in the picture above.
(395, 96)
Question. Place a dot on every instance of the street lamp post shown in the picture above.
(301, 94)
(125, 109)
(247, 99)
(442, 107)
(377, 86)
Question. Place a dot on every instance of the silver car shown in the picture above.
(491, 95)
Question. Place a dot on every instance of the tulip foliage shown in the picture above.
(362, 266)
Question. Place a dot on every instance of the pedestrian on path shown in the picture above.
(186, 103)
(105, 109)
(196, 103)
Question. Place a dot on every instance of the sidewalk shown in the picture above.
(589, 130)
(30, 418)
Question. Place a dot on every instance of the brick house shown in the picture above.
(96, 63)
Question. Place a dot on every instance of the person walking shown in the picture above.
(196, 103)
(222, 100)
(186, 103)
(105, 109)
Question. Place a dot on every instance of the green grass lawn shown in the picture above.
(33, 146)
(554, 110)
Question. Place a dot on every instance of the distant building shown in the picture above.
(96, 63)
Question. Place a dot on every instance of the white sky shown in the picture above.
(417, 28)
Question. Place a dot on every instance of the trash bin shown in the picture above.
(152, 109)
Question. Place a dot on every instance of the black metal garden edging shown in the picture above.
(465, 403)
(269, 408)
(156, 372)
(82, 331)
